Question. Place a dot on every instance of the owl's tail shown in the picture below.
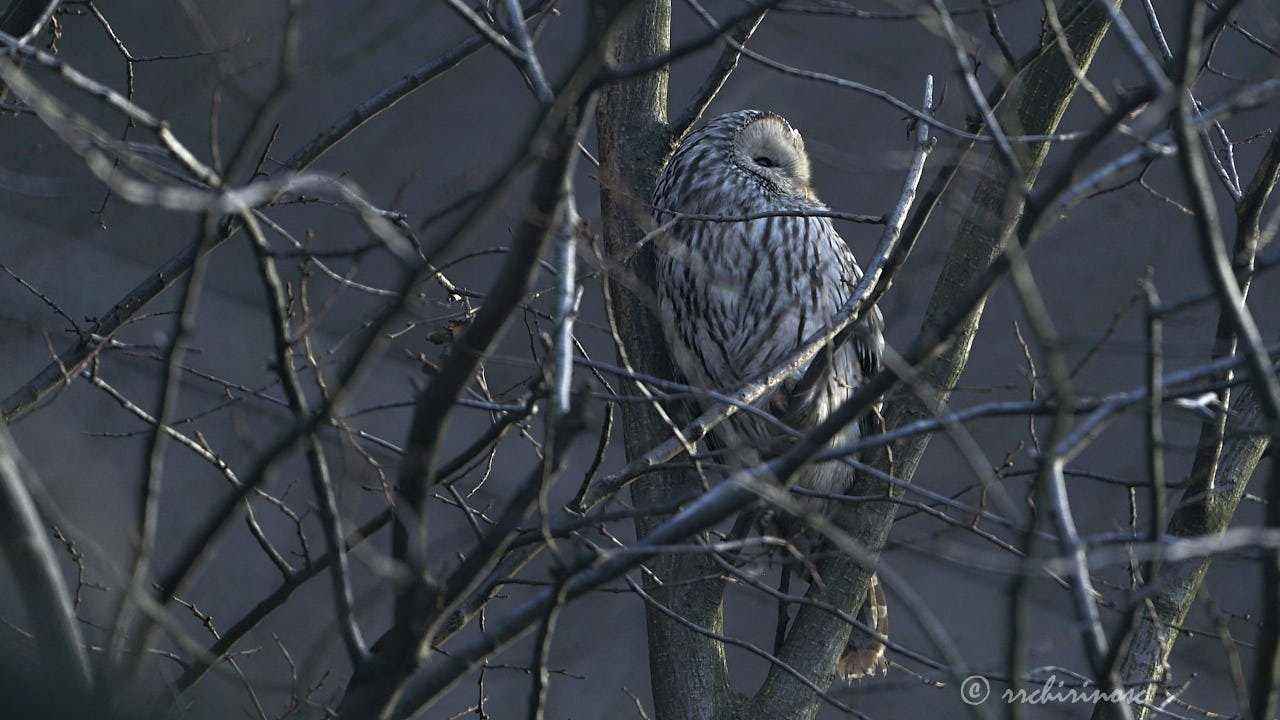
(864, 654)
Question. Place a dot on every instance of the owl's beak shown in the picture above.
(807, 192)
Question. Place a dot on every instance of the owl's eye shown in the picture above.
(764, 161)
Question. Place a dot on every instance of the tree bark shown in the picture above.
(688, 671)
(1202, 511)
(1225, 461)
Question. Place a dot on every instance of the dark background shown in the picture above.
(449, 138)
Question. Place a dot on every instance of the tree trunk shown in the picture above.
(1180, 581)
(688, 672)
(1225, 461)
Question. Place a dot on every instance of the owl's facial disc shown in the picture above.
(772, 151)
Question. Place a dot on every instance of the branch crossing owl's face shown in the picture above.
(772, 151)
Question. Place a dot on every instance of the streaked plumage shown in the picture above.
(738, 297)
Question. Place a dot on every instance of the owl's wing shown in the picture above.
(867, 335)
(868, 342)
(864, 339)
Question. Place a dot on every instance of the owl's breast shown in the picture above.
(742, 296)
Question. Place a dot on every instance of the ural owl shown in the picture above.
(738, 297)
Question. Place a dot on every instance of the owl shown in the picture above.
(737, 297)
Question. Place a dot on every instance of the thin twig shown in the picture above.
(720, 72)
(322, 483)
(41, 586)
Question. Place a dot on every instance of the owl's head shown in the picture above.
(743, 160)
(768, 148)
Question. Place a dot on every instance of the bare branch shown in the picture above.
(321, 482)
(39, 580)
(22, 400)
(724, 67)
